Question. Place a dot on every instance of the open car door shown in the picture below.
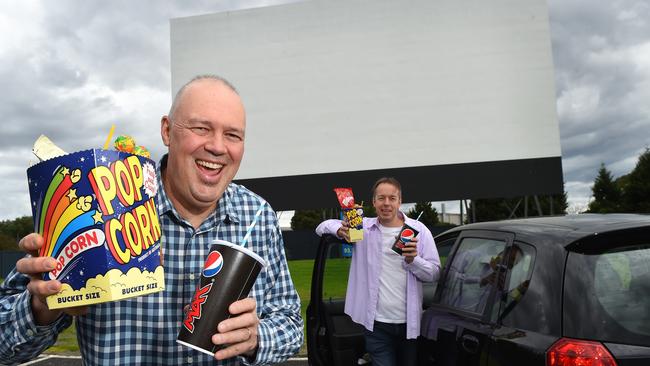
(332, 337)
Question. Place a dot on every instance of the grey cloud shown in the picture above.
(591, 44)
(65, 80)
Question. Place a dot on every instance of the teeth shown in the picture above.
(209, 165)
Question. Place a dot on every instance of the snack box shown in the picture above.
(354, 217)
(352, 213)
(97, 212)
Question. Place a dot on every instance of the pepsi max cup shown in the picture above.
(405, 235)
(228, 275)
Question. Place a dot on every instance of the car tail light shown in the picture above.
(574, 352)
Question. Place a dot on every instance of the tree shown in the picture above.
(429, 214)
(369, 210)
(607, 194)
(309, 219)
(636, 189)
(492, 209)
(7, 242)
(560, 204)
(12, 230)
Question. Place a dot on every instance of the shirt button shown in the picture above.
(191, 276)
(189, 360)
(30, 332)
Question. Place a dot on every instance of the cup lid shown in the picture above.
(241, 249)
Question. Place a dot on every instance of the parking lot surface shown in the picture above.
(56, 360)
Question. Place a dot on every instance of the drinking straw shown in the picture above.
(110, 135)
(250, 227)
(418, 219)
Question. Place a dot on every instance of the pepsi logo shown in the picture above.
(213, 264)
(407, 235)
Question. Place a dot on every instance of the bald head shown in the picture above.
(198, 78)
(204, 133)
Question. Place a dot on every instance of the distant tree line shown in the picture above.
(309, 219)
(518, 207)
(11, 231)
(628, 193)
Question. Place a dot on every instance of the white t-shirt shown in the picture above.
(391, 306)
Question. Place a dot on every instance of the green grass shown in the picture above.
(334, 283)
(301, 271)
(66, 343)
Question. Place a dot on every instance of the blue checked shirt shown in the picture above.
(143, 330)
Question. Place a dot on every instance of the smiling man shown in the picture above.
(197, 203)
(384, 291)
(205, 133)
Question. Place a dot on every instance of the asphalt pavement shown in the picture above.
(57, 360)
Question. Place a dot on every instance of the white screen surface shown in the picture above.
(335, 86)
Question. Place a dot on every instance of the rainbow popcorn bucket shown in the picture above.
(97, 211)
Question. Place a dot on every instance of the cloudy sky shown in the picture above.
(71, 69)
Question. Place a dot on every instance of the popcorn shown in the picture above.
(142, 151)
(127, 144)
(352, 213)
(124, 143)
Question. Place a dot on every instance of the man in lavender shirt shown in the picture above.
(385, 289)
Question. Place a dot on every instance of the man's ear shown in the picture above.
(165, 125)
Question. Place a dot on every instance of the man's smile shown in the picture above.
(209, 165)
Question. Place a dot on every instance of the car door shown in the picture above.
(459, 322)
(332, 337)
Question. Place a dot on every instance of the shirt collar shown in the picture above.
(225, 207)
(164, 204)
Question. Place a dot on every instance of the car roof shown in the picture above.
(562, 230)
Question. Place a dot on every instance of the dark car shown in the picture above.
(572, 290)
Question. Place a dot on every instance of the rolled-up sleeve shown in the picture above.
(426, 265)
(328, 227)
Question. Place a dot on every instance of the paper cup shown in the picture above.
(405, 235)
(228, 275)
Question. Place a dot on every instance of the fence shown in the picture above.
(8, 260)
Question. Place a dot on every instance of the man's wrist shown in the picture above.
(42, 314)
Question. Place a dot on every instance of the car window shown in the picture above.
(607, 295)
(516, 287)
(443, 245)
(622, 286)
(471, 274)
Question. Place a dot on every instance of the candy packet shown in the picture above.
(352, 213)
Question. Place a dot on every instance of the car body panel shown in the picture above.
(559, 300)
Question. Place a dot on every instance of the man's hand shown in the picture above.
(239, 333)
(410, 250)
(488, 280)
(344, 231)
(34, 267)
